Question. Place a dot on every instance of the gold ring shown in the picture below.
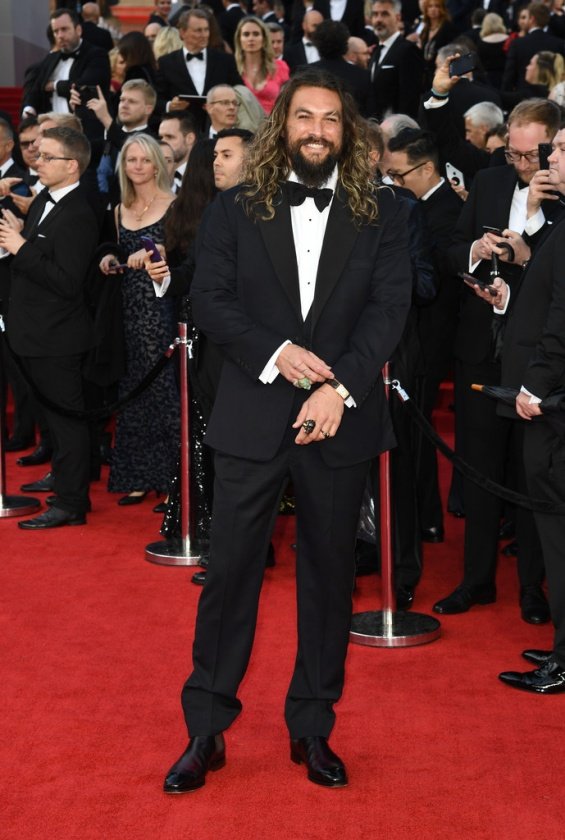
(325, 434)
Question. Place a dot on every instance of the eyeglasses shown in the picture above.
(25, 144)
(515, 157)
(399, 176)
(49, 158)
(225, 102)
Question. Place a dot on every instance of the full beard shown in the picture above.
(312, 173)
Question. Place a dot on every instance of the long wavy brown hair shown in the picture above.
(267, 162)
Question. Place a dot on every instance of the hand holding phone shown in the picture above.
(150, 246)
(469, 280)
(462, 65)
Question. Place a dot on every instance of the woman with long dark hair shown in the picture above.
(136, 51)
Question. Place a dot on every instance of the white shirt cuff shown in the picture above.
(271, 371)
(432, 103)
(473, 265)
(533, 399)
(534, 223)
(161, 288)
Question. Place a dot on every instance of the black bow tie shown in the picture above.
(199, 56)
(64, 56)
(298, 193)
(178, 176)
(46, 196)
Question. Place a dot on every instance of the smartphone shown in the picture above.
(191, 97)
(150, 246)
(474, 281)
(544, 151)
(454, 175)
(492, 229)
(87, 92)
(462, 65)
(117, 266)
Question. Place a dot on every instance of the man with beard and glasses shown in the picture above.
(304, 281)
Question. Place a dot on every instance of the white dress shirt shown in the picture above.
(56, 195)
(5, 167)
(337, 9)
(311, 51)
(197, 70)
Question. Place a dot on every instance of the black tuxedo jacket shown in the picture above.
(397, 81)
(246, 298)
(173, 76)
(356, 80)
(353, 16)
(489, 203)
(97, 35)
(295, 56)
(47, 313)
(520, 53)
(534, 341)
(228, 22)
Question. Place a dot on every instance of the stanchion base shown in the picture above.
(172, 553)
(405, 629)
(18, 505)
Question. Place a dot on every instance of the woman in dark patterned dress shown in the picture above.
(147, 430)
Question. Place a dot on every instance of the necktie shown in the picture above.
(298, 193)
(198, 55)
(65, 56)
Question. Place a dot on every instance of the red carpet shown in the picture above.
(96, 645)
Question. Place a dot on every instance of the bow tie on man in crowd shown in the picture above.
(66, 55)
(198, 55)
(298, 193)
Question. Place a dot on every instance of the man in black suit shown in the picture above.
(499, 197)
(303, 51)
(331, 40)
(533, 360)
(350, 12)
(299, 293)
(523, 49)
(195, 68)
(49, 327)
(74, 62)
(396, 67)
(93, 33)
(177, 128)
(229, 20)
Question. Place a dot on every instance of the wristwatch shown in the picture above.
(338, 387)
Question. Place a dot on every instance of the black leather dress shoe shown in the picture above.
(42, 485)
(324, 766)
(432, 535)
(538, 657)
(52, 518)
(462, 599)
(40, 455)
(199, 578)
(533, 605)
(404, 597)
(547, 679)
(189, 772)
(15, 444)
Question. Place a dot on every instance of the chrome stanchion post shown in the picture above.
(10, 505)
(178, 552)
(385, 627)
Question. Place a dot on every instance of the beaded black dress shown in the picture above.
(147, 430)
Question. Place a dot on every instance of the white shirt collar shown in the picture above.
(433, 190)
(57, 195)
(5, 166)
(390, 41)
(136, 128)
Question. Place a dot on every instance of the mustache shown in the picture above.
(313, 139)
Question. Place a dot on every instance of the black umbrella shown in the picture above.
(553, 405)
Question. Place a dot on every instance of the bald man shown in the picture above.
(358, 52)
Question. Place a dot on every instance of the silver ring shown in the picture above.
(309, 426)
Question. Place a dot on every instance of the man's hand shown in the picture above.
(443, 82)
(498, 300)
(541, 189)
(295, 362)
(177, 104)
(6, 185)
(100, 108)
(10, 239)
(482, 248)
(157, 270)
(23, 202)
(526, 409)
(49, 87)
(107, 265)
(522, 252)
(460, 190)
(325, 407)
(13, 221)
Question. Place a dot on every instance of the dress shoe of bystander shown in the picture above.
(533, 605)
(204, 752)
(463, 598)
(199, 578)
(432, 535)
(42, 485)
(549, 678)
(53, 518)
(404, 597)
(538, 657)
(41, 455)
(324, 766)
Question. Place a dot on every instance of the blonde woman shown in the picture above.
(261, 72)
(545, 69)
(492, 38)
(166, 41)
(147, 429)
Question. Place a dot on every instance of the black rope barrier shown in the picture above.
(107, 410)
(536, 505)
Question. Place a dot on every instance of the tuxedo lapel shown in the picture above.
(279, 242)
(59, 208)
(339, 239)
(502, 198)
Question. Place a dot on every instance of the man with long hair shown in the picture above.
(303, 279)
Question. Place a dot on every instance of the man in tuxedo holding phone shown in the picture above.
(304, 281)
(48, 325)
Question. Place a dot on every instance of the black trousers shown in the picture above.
(489, 441)
(544, 457)
(246, 497)
(59, 379)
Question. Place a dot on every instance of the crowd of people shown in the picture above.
(419, 152)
